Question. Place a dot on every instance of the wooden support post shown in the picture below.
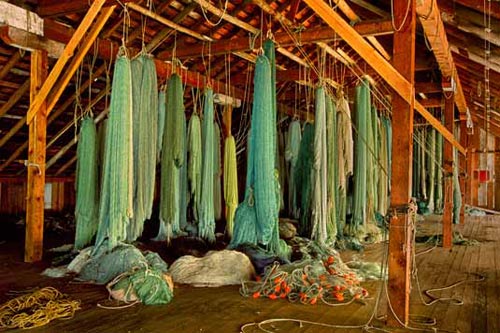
(400, 229)
(463, 167)
(448, 162)
(497, 175)
(469, 156)
(36, 163)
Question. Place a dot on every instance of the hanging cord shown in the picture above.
(405, 17)
(220, 18)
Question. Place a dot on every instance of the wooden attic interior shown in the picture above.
(429, 63)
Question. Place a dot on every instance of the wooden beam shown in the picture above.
(383, 68)
(294, 7)
(168, 22)
(430, 18)
(66, 166)
(16, 56)
(448, 162)
(14, 156)
(61, 62)
(308, 36)
(428, 87)
(433, 102)
(29, 41)
(476, 5)
(77, 60)
(400, 227)
(56, 8)
(6, 179)
(36, 164)
(14, 98)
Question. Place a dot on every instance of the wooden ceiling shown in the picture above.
(222, 49)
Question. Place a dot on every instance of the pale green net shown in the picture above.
(87, 199)
(115, 209)
(206, 225)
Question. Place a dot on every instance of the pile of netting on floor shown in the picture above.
(320, 276)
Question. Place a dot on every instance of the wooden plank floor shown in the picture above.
(224, 310)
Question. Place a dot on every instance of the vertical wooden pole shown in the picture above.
(463, 167)
(400, 228)
(36, 163)
(497, 174)
(448, 161)
(476, 146)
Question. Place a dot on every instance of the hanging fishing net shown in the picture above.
(332, 170)
(431, 163)
(439, 202)
(303, 178)
(356, 229)
(87, 200)
(195, 162)
(172, 159)
(256, 219)
(181, 225)
(345, 166)
(206, 225)
(145, 115)
(383, 185)
(115, 209)
(161, 123)
(320, 213)
(230, 182)
(294, 138)
(217, 174)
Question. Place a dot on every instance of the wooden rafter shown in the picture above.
(56, 8)
(384, 69)
(61, 62)
(283, 39)
(76, 61)
(29, 41)
(430, 18)
(16, 56)
(15, 98)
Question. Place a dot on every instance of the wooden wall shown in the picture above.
(13, 197)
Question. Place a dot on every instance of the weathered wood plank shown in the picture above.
(36, 163)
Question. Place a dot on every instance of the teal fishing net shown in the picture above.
(115, 209)
(303, 178)
(87, 199)
(294, 138)
(195, 163)
(256, 219)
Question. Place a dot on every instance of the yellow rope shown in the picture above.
(37, 309)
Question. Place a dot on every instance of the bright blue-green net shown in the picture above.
(256, 219)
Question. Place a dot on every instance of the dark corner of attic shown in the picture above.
(244, 166)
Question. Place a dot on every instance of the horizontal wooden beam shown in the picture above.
(16, 56)
(283, 39)
(29, 41)
(398, 83)
(434, 102)
(476, 5)
(428, 87)
(56, 8)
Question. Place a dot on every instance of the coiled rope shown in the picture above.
(37, 309)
